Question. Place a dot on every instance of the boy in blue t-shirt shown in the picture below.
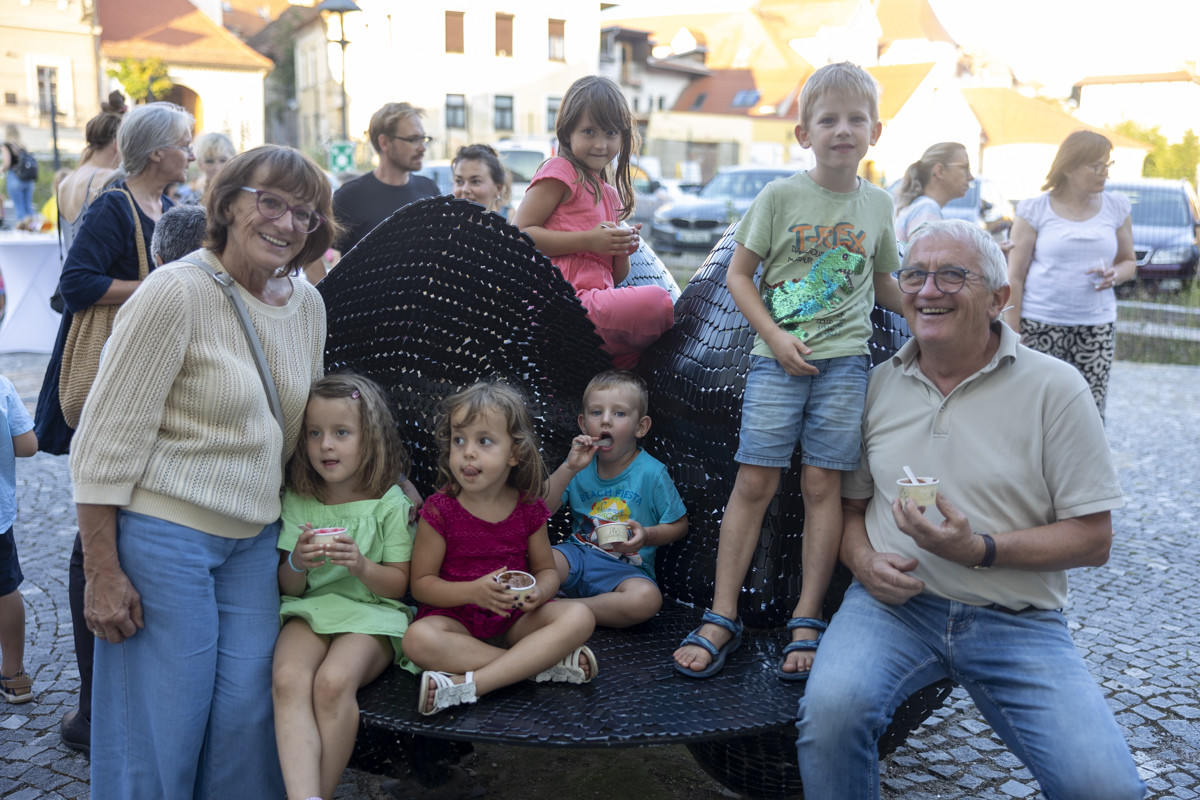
(608, 478)
(827, 244)
(15, 684)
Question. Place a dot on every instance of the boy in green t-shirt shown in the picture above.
(826, 241)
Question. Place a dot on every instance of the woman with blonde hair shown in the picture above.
(942, 174)
(1071, 246)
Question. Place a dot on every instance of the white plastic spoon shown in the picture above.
(911, 478)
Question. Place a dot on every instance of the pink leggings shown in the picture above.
(628, 319)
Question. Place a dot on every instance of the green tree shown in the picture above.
(142, 79)
(1166, 160)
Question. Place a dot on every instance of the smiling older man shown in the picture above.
(973, 589)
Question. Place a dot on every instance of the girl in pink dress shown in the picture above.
(573, 213)
(473, 633)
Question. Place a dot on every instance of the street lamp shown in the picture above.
(341, 8)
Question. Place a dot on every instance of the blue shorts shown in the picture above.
(10, 565)
(591, 573)
(822, 412)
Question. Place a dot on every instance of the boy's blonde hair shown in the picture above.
(844, 79)
(528, 477)
(619, 379)
(382, 457)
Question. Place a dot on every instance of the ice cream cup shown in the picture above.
(325, 534)
(923, 493)
(612, 533)
(521, 583)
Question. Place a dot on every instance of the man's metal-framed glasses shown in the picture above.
(948, 280)
(415, 140)
(272, 206)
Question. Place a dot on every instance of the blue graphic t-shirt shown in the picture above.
(643, 492)
(820, 250)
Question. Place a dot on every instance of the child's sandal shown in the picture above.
(447, 694)
(17, 689)
(568, 670)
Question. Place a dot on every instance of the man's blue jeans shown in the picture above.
(1023, 672)
(182, 709)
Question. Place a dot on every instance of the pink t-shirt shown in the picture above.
(581, 212)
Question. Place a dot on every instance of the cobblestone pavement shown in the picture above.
(1134, 619)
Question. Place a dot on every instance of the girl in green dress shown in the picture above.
(345, 542)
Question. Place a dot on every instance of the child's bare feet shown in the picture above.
(702, 652)
(800, 652)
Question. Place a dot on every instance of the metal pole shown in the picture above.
(54, 131)
(342, 41)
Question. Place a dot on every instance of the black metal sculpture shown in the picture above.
(442, 294)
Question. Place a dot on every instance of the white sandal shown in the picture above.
(569, 671)
(447, 694)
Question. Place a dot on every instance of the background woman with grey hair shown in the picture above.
(102, 267)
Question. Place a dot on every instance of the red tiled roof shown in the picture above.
(1179, 76)
(1009, 117)
(909, 19)
(172, 30)
(244, 17)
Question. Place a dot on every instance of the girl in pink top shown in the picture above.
(573, 213)
(474, 634)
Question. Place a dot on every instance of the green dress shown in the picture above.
(335, 601)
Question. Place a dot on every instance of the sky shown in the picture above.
(1053, 42)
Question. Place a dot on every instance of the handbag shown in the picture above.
(225, 281)
(90, 330)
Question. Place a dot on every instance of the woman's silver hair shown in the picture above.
(148, 128)
(992, 265)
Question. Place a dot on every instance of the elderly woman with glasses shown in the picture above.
(1071, 246)
(177, 467)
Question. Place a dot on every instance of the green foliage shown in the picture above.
(1166, 160)
(142, 79)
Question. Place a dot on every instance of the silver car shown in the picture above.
(697, 222)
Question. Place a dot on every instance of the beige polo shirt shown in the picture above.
(1017, 445)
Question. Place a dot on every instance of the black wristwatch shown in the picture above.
(989, 551)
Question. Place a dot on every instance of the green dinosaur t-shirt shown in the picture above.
(819, 250)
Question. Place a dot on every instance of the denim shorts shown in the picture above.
(10, 566)
(822, 412)
(591, 573)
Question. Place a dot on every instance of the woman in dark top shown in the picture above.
(102, 267)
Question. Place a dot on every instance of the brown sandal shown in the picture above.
(17, 689)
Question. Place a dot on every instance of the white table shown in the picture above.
(29, 263)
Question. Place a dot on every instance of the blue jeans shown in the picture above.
(183, 709)
(1023, 672)
(21, 194)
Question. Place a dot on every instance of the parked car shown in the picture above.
(696, 223)
(439, 173)
(983, 205)
(1166, 229)
(522, 158)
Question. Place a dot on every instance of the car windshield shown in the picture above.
(522, 163)
(738, 185)
(1159, 207)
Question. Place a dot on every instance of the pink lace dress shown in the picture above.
(628, 319)
(475, 548)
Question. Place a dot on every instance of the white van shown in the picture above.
(522, 158)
